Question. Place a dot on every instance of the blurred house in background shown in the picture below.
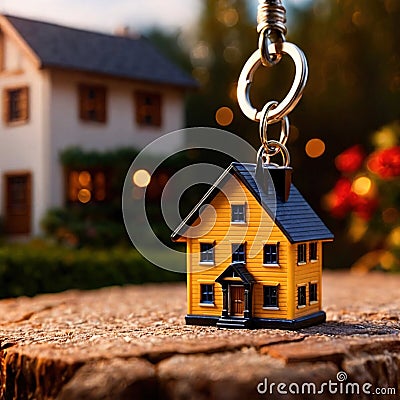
(64, 87)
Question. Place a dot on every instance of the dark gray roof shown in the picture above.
(295, 217)
(241, 270)
(117, 56)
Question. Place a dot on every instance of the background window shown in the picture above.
(86, 186)
(270, 296)
(238, 213)
(313, 251)
(92, 103)
(148, 108)
(301, 296)
(206, 253)
(238, 253)
(301, 253)
(16, 104)
(313, 292)
(270, 254)
(207, 293)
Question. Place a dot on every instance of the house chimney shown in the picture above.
(281, 178)
(126, 31)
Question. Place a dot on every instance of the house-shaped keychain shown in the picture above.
(255, 260)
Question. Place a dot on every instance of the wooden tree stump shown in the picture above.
(132, 343)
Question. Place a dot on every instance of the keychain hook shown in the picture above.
(292, 98)
(271, 19)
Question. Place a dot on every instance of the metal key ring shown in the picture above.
(263, 128)
(295, 92)
(282, 148)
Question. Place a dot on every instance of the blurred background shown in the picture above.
(344, 135)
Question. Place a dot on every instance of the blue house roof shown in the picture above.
(295, 217)
(59, 46)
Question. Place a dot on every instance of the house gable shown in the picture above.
(296, 219)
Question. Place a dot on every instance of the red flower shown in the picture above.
(339, 199)
(350, 160)
(385, 163)
(364, 207)
(343, 200)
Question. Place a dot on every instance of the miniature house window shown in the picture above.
(270, 296)
(313, 251)
(313, 292)
(207, 293)
(301, 296)
(238, 253)
(92, 103)
(85, 186)
(301, 253)
(16, 105)
(148, 108)
(238, 214)
(207, 253)
(270, 254)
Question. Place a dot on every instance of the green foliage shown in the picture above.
(85, 225)
(75, 157)
(26, 270)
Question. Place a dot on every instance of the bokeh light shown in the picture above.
(141, 178)
(224, 116)
(229, 17)
(84, 178)
(362, 186)
(84, 196)
(315, 148)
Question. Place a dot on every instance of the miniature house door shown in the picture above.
(18, 203)
(237, 300)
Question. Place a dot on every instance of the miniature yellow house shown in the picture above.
(248, 268)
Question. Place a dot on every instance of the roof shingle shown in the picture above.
(76, 49)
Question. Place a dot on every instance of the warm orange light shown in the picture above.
(84, 196)
(84, 178)
(361, 186)
(229, 17)
(233, 92)
(224, 116)
(394, 237)
(141, 178)
(315, 148)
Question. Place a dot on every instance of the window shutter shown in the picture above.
(148, 108)
(6, 106)
(157, 110)
(83, 100)
(24, 103)
(101, 99)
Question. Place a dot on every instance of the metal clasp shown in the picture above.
(295, 92)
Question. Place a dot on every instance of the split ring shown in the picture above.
(275, 144)
(263, 128)
(295, 92)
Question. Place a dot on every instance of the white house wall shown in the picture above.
(21, 144)
(54, 124)
(120, 129)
